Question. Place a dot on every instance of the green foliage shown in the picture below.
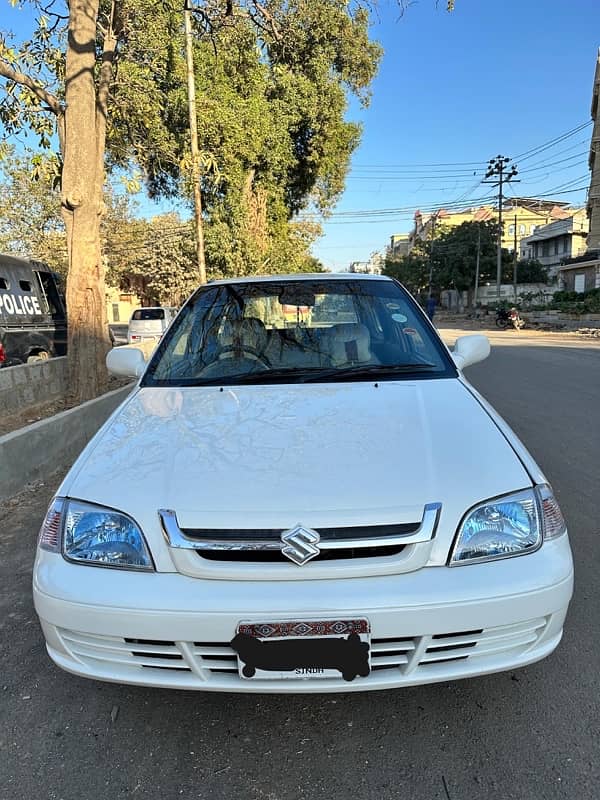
(30, 219)
(155, 258)
(452, 257)
(271, 102)
(412, 271)
(455, 255)
(531, 271)
(272, 84)
(577, 302)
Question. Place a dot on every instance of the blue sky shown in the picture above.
(496, 76)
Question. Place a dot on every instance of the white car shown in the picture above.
(302, 494)
(149, 324)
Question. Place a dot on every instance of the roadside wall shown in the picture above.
(32, 384)
(562, 321)
(31, 453)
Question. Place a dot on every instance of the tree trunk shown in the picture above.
(82, 180)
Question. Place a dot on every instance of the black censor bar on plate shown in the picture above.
(349, 656)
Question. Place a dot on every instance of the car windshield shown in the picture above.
(298, 331)
(148, 314)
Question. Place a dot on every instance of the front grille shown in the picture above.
(301, 544)
(277, 557)
(271, 538)
(196, 662)
(327, 534)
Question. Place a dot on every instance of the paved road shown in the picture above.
(532, 734)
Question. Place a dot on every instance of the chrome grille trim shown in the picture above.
(179, 539)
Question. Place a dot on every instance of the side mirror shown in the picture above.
(126, 361)
(470, 350)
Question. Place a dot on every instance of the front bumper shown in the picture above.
(436, 624)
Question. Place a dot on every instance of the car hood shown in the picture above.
(320, 454)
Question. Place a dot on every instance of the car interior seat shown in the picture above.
(350, 343)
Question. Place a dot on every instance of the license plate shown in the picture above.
(309, 649)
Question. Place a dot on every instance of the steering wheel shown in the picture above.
(245, 352)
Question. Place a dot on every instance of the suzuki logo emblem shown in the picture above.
(300, 544)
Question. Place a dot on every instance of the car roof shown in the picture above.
(8, 260)
(301, 276)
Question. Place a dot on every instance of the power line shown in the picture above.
(409, 209)
(570, 191)
(416, 164)
(414, 178)
(567, 184)
(453, 166)
(542, 166)
(540, 148)
(458, 179)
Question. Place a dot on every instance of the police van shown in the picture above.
(33, 318)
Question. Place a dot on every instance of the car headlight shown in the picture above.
(94, 535)
(508, 526)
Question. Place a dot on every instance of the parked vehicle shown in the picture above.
(336, 487)
(502, 320)
(149, 324)
(33, 319)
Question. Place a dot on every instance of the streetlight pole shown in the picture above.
(498, 167)
(191, 90)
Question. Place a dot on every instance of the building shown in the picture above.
(552, 244)
(524, 215)
(582, 273)
(374, 266)
(593, 203)
(520, 218)
(120, 305)
(428, 226)
(399, 245)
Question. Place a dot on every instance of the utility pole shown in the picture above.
(498, 166)
(515, 261)
(191, 89)
(477, 264)
(434, 218)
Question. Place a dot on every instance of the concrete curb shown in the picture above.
(26, 386)
(30, 453)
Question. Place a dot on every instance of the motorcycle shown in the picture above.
(509, 317)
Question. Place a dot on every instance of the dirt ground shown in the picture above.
(488, 323)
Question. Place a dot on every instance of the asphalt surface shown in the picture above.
(533, 733)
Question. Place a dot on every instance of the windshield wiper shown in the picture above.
(366, 370)
(296, 375)
(310, 374)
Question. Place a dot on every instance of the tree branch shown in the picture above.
(266, 15)
(51, 101)
(107, 64)
(105, 81)
(11, 74)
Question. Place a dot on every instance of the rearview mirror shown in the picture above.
(297, 296)
(128, 362)
(470, 350)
